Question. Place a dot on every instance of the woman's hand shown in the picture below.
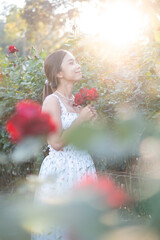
(95, 115)
(86, 114)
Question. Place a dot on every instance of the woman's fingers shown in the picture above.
(92, 108)
(92, 114)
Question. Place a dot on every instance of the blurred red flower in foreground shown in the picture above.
(12, 49)
(113, 195)
(84, 96)
(28, 120)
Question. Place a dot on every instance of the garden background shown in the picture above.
(119, 56)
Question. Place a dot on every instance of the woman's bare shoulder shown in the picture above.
(50, 103)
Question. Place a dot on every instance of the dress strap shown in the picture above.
(61, 103)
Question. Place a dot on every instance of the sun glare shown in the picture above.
(119, 23)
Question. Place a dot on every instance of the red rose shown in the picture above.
(29, 121)
(83, 92)
(86, 95)
(28, 108)
(15, 127)
(92, 95)
(89, 95)
(114, 196)
(12, 49)
(79, 100)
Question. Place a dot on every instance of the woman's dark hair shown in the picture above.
(52, 66)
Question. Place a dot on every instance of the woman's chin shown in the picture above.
(78, 79)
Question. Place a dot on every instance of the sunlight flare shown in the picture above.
(119, 23)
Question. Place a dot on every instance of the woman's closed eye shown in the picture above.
(72, 62)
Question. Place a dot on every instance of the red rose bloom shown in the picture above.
(29, 109)
(12, 49)
(89, 96)
(86, 95)
(79, 100)
(92, 95)
(83, 92)
(29, 121)
(114, 196)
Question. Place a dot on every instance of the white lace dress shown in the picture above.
(69, 166)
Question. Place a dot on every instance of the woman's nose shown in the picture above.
(78, 66)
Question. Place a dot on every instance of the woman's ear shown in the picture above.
(60, 75)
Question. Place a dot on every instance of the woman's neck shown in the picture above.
(67, 91)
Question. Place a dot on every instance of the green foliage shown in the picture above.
(23, 78)
(127, 83)
(130, 79)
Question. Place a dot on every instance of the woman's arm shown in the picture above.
(51, 105)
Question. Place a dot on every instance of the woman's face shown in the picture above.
(70, 69)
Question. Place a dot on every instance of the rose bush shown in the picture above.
(22, 78)
(126, 81)
(132, 83)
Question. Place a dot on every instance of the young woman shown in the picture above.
(68, 164)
